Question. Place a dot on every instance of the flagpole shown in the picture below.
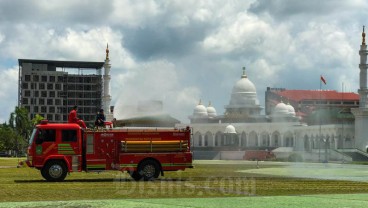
(319, 118)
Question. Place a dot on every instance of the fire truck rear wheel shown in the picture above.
(54, 171)
(149, 170)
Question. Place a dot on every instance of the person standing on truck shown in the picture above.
(72, 118)
(100, 119)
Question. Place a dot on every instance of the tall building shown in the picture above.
(51, 88)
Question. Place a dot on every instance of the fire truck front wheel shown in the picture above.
(135, 175)
(54, 171)
(149, 170)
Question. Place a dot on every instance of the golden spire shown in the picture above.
(107, 51)
(363, 36)
(244, 75)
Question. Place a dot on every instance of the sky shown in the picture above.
(181, 52)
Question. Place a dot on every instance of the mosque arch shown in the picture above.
(218, 137)
(276, 139)
(327, 141)
(313, 145)
(307, 146)
(340, 142)
(253, 139)
(208, 138)
(288, 139)
(348, 143)
(198, 139)
(243, 139)
(265, 139)
(234, 140)
(333, 142)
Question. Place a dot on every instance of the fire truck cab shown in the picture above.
(60, 148)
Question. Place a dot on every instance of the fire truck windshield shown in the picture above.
(32, 136)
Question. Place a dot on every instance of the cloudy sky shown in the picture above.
(183, 51)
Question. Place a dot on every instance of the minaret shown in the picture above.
(361, 113)
(106, 97)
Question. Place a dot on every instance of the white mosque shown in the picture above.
(243, 128)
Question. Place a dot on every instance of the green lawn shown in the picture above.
(10, 161)
(207, 179)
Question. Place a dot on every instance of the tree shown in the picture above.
(22, 126)
(9, 138)
(37, 119)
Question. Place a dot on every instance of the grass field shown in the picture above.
(208, 179)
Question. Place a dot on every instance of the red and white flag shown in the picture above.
(323, 79)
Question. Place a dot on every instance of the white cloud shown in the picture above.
(133, 13)
(2, 37)
(156, 80)
(8, 92)
(181, 51)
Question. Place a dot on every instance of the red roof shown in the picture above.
(298, 95)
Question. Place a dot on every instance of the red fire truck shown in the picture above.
(58, 148)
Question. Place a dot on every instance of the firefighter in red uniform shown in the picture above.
(74, 119)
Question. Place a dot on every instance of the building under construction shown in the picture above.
(51, 88)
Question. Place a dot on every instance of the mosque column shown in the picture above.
(213, 139)
(271, 144)
(247, 140)
(336, 142)
(203, 142)
(259, 139)
(298, 141)
(239, 141)
(282, 143)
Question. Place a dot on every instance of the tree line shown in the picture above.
(14, 134)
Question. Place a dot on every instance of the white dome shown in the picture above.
(244, 93)
(200, 111)
(244, 85)
(291, 109)
(230, 129)
(281, 109)
(211, 111)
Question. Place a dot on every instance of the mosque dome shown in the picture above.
(230, 129)
(243, 93)
(281, 109)
(200, 111)
(211, 111)
(291, 109)
(244, 85)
